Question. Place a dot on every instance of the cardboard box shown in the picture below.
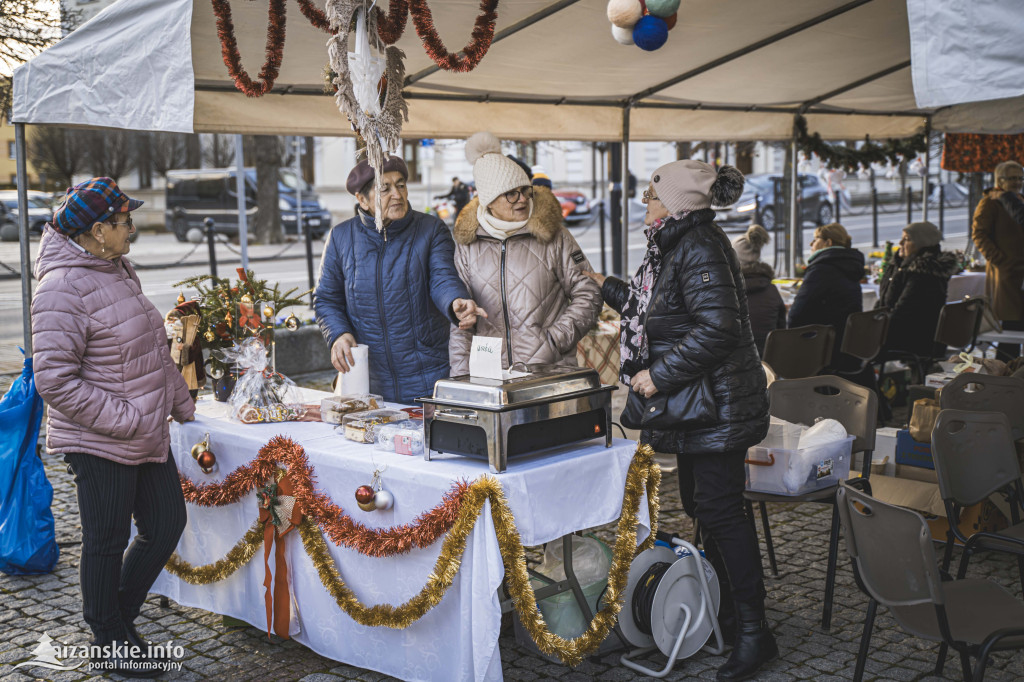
(939, 379)
(915, 473)
(911, 453)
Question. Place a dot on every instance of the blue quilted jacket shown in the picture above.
(393, 294)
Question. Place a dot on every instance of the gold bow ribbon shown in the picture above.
(967, 364)
(279, 514)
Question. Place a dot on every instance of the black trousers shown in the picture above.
(711, 487)
(115, 582)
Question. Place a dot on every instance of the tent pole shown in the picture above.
(927, 167)
(625, 192)
(26, 258)
(795, 224)
(243, 217)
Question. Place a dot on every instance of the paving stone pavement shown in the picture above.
(51, 604)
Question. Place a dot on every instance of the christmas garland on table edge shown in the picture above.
(643, 475)
(848, 158)
(390, 27)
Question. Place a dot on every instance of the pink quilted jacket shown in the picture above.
(100, 357)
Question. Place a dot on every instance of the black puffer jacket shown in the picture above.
(830, 291)
(767, 310)
(697, 323)
(915, 291)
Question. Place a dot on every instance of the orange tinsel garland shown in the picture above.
(472, 53)
(229, 48)
(424, 531)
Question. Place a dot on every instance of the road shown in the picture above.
(289, 268)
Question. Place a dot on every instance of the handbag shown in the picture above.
(693, 405)
(922, 419)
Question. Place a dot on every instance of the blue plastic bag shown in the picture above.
(27, 542)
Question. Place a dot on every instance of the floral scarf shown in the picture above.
(632, 336)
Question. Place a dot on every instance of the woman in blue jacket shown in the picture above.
(395, 291)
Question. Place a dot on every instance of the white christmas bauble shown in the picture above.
(623, 36)
(624, 13)
(383, 499)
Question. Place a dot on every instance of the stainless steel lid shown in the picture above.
(543, 382)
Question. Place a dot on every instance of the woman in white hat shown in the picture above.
(521, 265)
(698, 388)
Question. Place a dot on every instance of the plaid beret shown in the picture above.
(363, 173)
(92, 201)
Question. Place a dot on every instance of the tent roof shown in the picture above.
(730, 70)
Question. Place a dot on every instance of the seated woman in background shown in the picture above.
(831, 286)
(767, 310)
(914, 289)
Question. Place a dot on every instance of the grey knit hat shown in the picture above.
(689, 185)
(923, 234)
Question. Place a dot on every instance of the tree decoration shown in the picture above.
(650, 33)
(203, 456)
(379, 122)
(472, 53)
(662, 8)
(227, 313)
(624, 13)
(892, 151)
(623, 36)
(274, 50)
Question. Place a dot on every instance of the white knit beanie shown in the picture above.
(493, 172)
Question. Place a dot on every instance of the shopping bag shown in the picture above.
(922, 419)
(27, 543)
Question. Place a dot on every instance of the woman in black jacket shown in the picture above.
(830, 289)
(685, 325)
(914, 289)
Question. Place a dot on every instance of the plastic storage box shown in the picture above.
(809, 469)
(333, 408)
(362, 426)
(404, 437)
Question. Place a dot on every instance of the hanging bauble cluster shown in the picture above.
(642, 23)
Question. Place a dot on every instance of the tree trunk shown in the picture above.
(267, 153)
(683, 150)
(745, 157)
(193, 151)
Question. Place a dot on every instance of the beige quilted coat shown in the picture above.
(531, 285)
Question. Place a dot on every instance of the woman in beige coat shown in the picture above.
(521, 266)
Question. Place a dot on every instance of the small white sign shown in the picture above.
(485, 357)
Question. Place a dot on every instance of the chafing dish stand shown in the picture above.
(496, 419)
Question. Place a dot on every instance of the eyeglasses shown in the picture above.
(514, 195)
(1013, 178)
(127, 222)
(648, 195)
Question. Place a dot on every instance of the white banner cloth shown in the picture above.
(550, 494)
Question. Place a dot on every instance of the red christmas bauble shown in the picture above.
(364, 494)
(206, 459)
(671, 20)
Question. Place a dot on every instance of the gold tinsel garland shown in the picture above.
(643, 474)
(239, 555)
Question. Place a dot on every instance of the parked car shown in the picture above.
(194, 195)
(576, 208)
(40, 211)
(814, 201)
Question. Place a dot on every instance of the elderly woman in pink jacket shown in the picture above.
(103, 367)
(520, 265)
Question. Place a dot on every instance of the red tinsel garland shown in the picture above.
(424, 531)
(316, 16)
(483, 34)
(390, 26)
(229, 48)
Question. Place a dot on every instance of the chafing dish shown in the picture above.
(498, 419)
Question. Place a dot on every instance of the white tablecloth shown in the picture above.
(551, 494)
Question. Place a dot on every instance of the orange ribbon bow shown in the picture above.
(278, 600)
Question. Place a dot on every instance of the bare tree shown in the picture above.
(167, 151)
(58, 152)
(219, 150)
(27, 27)
(267, 153)
(112, 153)
(745, 156)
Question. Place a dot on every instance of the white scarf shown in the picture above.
(500, 229)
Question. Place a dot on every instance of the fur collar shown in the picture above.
(931, 261)
(544, 224)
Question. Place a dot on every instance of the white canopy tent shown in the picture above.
(729, 71)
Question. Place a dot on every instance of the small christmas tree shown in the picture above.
(886, 261)
(230, 313)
